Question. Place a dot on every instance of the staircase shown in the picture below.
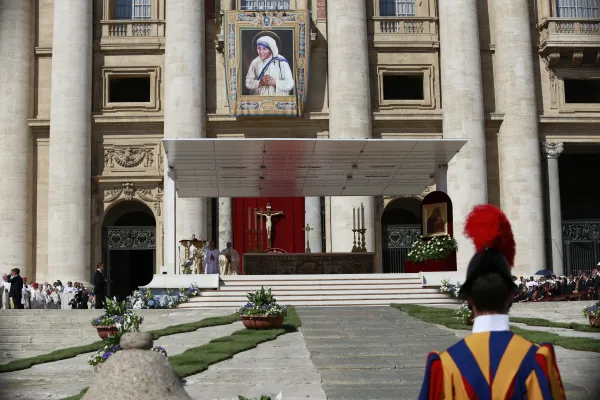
(323, 290)
(27, 333)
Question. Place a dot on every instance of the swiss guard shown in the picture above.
(492, 362)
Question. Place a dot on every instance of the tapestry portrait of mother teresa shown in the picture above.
(267, 62)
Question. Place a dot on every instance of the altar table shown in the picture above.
(308, 263)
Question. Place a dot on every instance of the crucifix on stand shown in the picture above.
(307, 229)
(268, 214)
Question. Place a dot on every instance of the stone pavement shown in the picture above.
(282, 365)
(370, 353)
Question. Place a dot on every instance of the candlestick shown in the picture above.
(255, 222)
(362, 211)
(353, 217)
(249, 219)
(358, 215)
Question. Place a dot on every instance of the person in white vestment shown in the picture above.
(211, 260)
(5, 288)
(229, 262)
(269, 73)
(25, 293)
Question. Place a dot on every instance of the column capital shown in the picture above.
(552, 149)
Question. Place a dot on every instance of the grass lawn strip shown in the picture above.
(444, 316)
(70, 352)
(550, 324)
(198, 359)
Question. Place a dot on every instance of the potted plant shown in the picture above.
(116, 319)
(262, 311)
(593, 315)
(465, 314)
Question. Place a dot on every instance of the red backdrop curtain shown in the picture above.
(287, 233)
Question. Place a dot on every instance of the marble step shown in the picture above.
(280, 293)
(313, 277)
(353, 286)
(270, 282)
(281, 298)
(321, 303)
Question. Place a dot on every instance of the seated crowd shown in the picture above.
(48, 296)
(582, 286)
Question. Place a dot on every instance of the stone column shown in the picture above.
(441, 178)
(552, 152)
(185, 102)
(312, 217)
(462, 103)
(16, 80)
(302, 5)
(518, 141)
(225, 222)
(349, 106)
(227, 5)
(70, 161)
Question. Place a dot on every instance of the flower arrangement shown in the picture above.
(186, 265)
(144, 298)
(592, 311)
(117, 314)
(262, 303)
(449, 288)
(279, 397)
(436, 248)
(464, 314)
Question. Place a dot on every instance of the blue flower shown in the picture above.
(151, 303)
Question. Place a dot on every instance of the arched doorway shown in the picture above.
(400, 223)
(128, 247)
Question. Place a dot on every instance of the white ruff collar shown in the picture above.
(491, 323)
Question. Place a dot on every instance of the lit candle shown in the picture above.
(358, 218)
(362, 211)
(354, 218)
(249, 219)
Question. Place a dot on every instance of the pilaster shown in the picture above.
(518, 141)
(552, 151)
(462, 103)
(349, 106)
(312, 212)
(69, 178)
(16, 80)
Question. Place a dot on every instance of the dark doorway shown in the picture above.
(579, 206)
(400, 224)
(129, 242)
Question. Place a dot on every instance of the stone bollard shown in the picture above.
(136, 373)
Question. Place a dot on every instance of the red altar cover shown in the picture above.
(448, 264)
(287, 228)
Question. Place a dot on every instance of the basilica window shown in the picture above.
(262, 5)
(577, 8)
(582, 91)
(396, 8)
(132, 9)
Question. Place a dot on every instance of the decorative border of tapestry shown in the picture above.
(267, 62)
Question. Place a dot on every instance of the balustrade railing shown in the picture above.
(132, 28)
(568, 32)
(405, 25)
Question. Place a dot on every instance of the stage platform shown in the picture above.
(308, 263)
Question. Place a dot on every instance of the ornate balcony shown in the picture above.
(405, 32)
(557, 34)
(131, 34)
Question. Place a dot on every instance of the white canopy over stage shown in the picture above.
(305, 167)
(298, 168)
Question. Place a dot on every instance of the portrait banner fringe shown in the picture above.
(267, 62)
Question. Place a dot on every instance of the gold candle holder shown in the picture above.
(354, 248)
(363, 247)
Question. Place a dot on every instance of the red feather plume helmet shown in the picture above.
(493, 238)
(489, 228)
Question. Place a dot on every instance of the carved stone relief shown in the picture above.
(551, 61)
(552, 149)
(151, 196)
(129, 157)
